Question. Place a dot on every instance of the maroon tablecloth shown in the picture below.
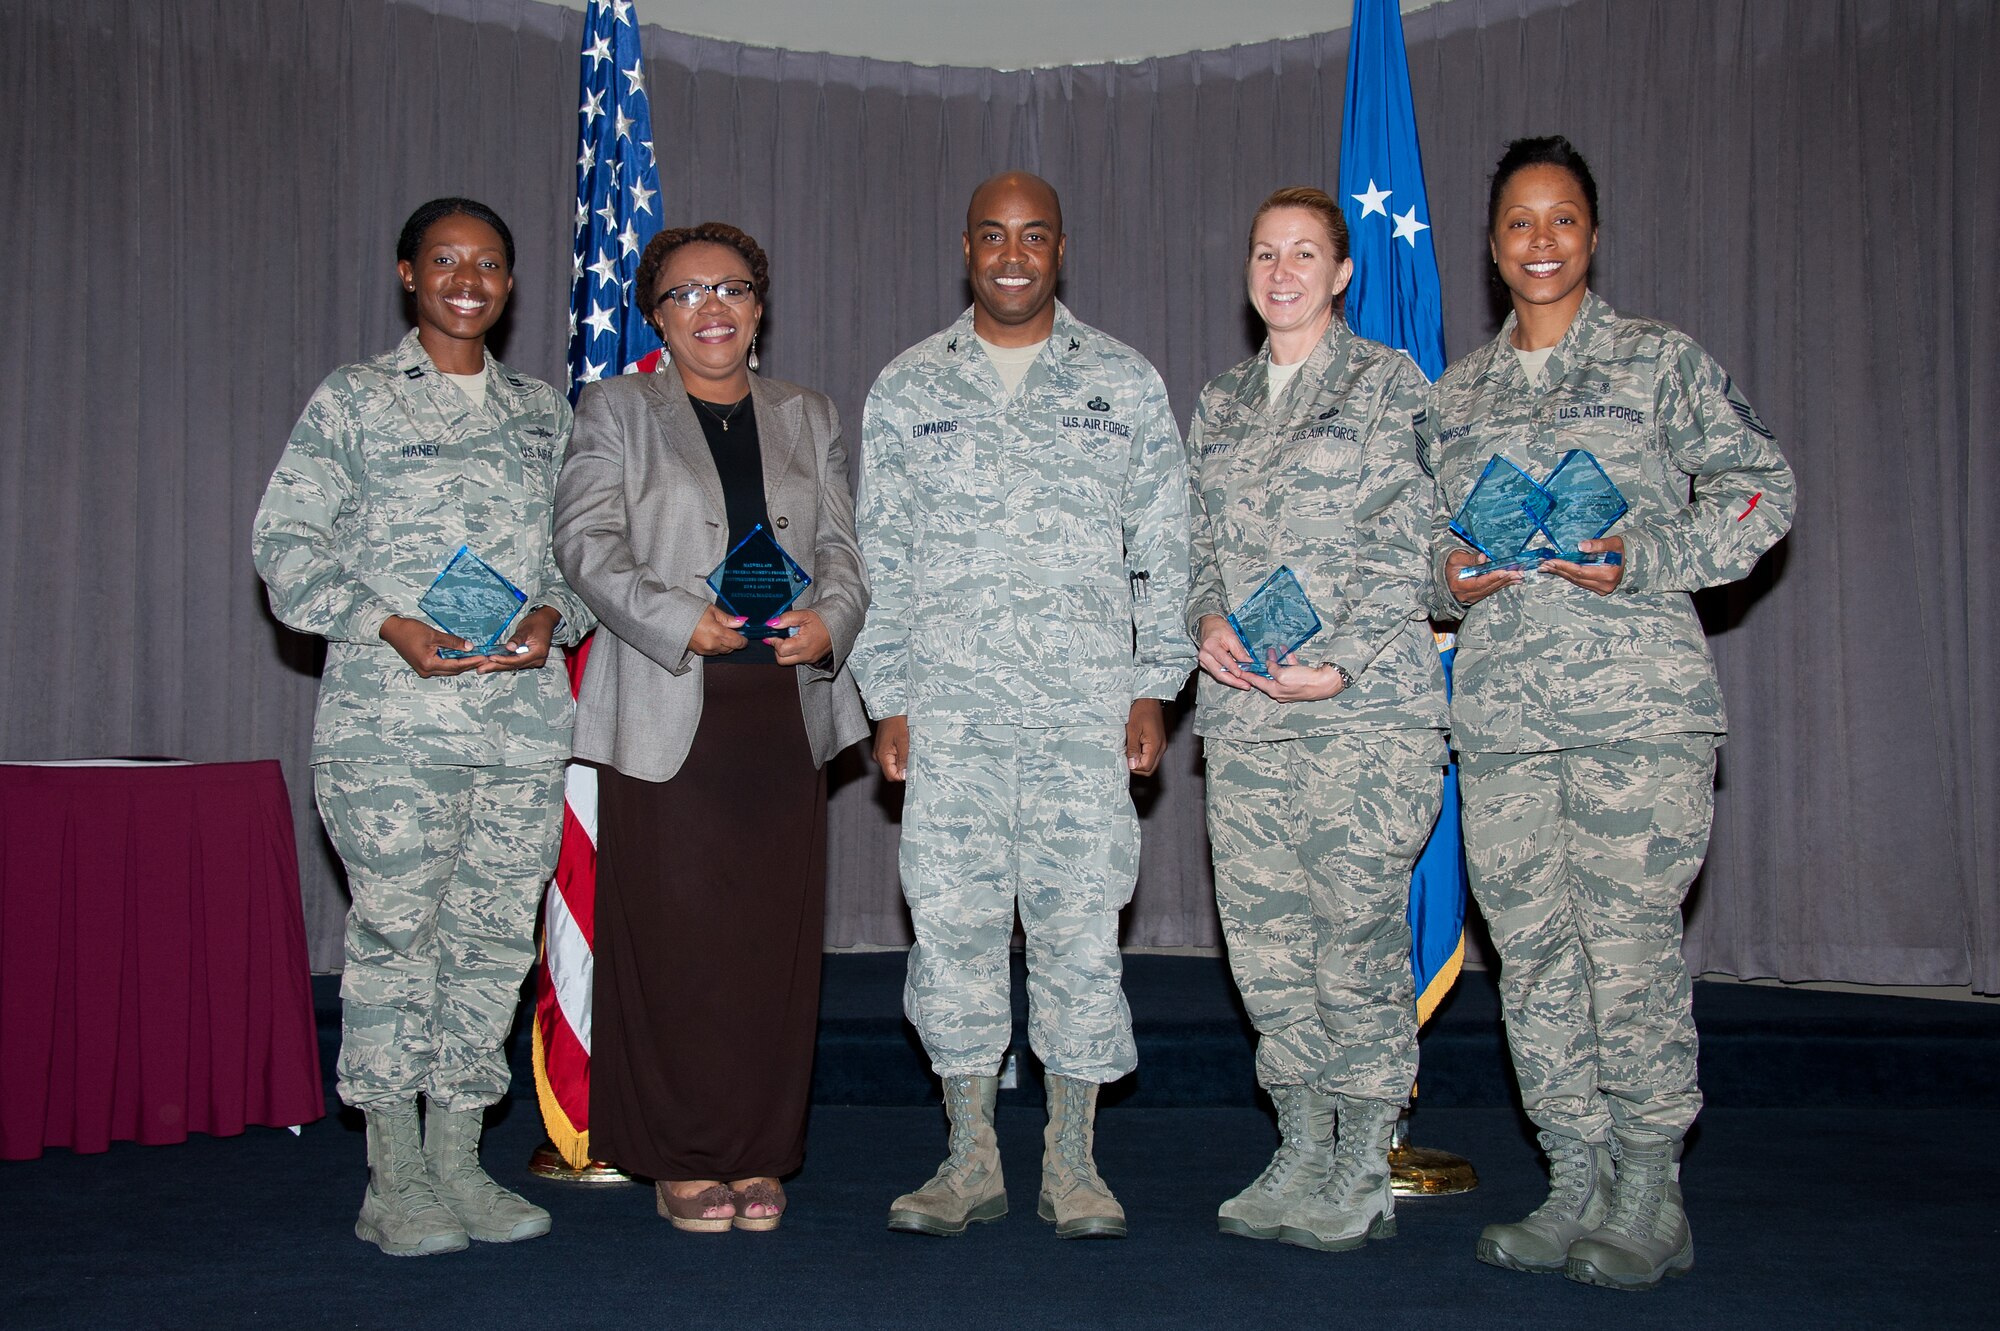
(153, 976)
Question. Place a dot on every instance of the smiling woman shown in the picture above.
(1298, 270)
(711, 734)
(1324, 766)
(438, 777)
(1587, 715)
(460, 267)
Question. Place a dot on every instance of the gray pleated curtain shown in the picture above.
(201, 202)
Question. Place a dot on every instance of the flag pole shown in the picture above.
(547, 1163)
(560, 1049)
(1425, 1171)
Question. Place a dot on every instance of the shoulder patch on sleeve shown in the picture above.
(1420, 426)
(1743, 410)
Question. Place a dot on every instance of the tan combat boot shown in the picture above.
(1355, 1203)
(1303, 1159)
(967, 1188)
(1579, 1197)
(401, 1214)
(1645, 1238)
(488, 1211)
(1073, 1197)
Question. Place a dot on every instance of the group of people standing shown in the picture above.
(1035, 563)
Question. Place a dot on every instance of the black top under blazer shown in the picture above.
(640, 522)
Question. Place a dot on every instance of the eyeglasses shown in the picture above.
(690, 295)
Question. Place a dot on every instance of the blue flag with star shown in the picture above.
(1395, 298)
(617, 184)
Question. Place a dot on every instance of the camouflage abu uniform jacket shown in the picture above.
(1324, 480)
(1547, 665)
(1026, 555)
(389, 470)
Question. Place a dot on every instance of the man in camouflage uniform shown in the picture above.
(439, 781)
(1320, 802)
(1026, 546)
(1587, 725)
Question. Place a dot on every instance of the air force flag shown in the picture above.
(1394, 298)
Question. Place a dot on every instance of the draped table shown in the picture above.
(153, 974)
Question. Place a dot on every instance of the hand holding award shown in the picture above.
(1274, 621)
(472, 603)
(1571, 510)
(758, 581)
(1270, 626)
(1586, 504)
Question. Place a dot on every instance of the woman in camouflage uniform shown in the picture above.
(1323, 779)
(1587, 715)
(439, 778)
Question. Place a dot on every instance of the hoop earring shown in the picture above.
(753, 351)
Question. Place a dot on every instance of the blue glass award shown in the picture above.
(1276, 618)
(1501, 515)
(1587, 502)
(758, 581)
(472, 600)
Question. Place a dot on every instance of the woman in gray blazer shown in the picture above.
(711, 734)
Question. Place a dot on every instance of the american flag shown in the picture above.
(617, 186)
(617, 194)
(564, 972)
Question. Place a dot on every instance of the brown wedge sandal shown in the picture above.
(762, 1192)
(686, 1213)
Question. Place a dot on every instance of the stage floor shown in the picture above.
(1840, 1177)
(1802, 1218)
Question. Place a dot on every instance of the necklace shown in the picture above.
(723, 417)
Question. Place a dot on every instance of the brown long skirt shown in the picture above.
(711, 896)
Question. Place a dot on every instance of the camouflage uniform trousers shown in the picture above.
(1042, 818)
(1579, 860)
(445, 866)
(1314, 840)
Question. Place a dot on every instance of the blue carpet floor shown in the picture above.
(1822, 1196)
(1803, 1218)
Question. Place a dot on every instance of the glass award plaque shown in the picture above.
(1276, 618)
(1501, 515)
(472, 600)
(758, 581)
(1586, 503)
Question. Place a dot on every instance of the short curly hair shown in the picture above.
(713, 233)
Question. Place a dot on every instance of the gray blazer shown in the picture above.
(640, 523)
